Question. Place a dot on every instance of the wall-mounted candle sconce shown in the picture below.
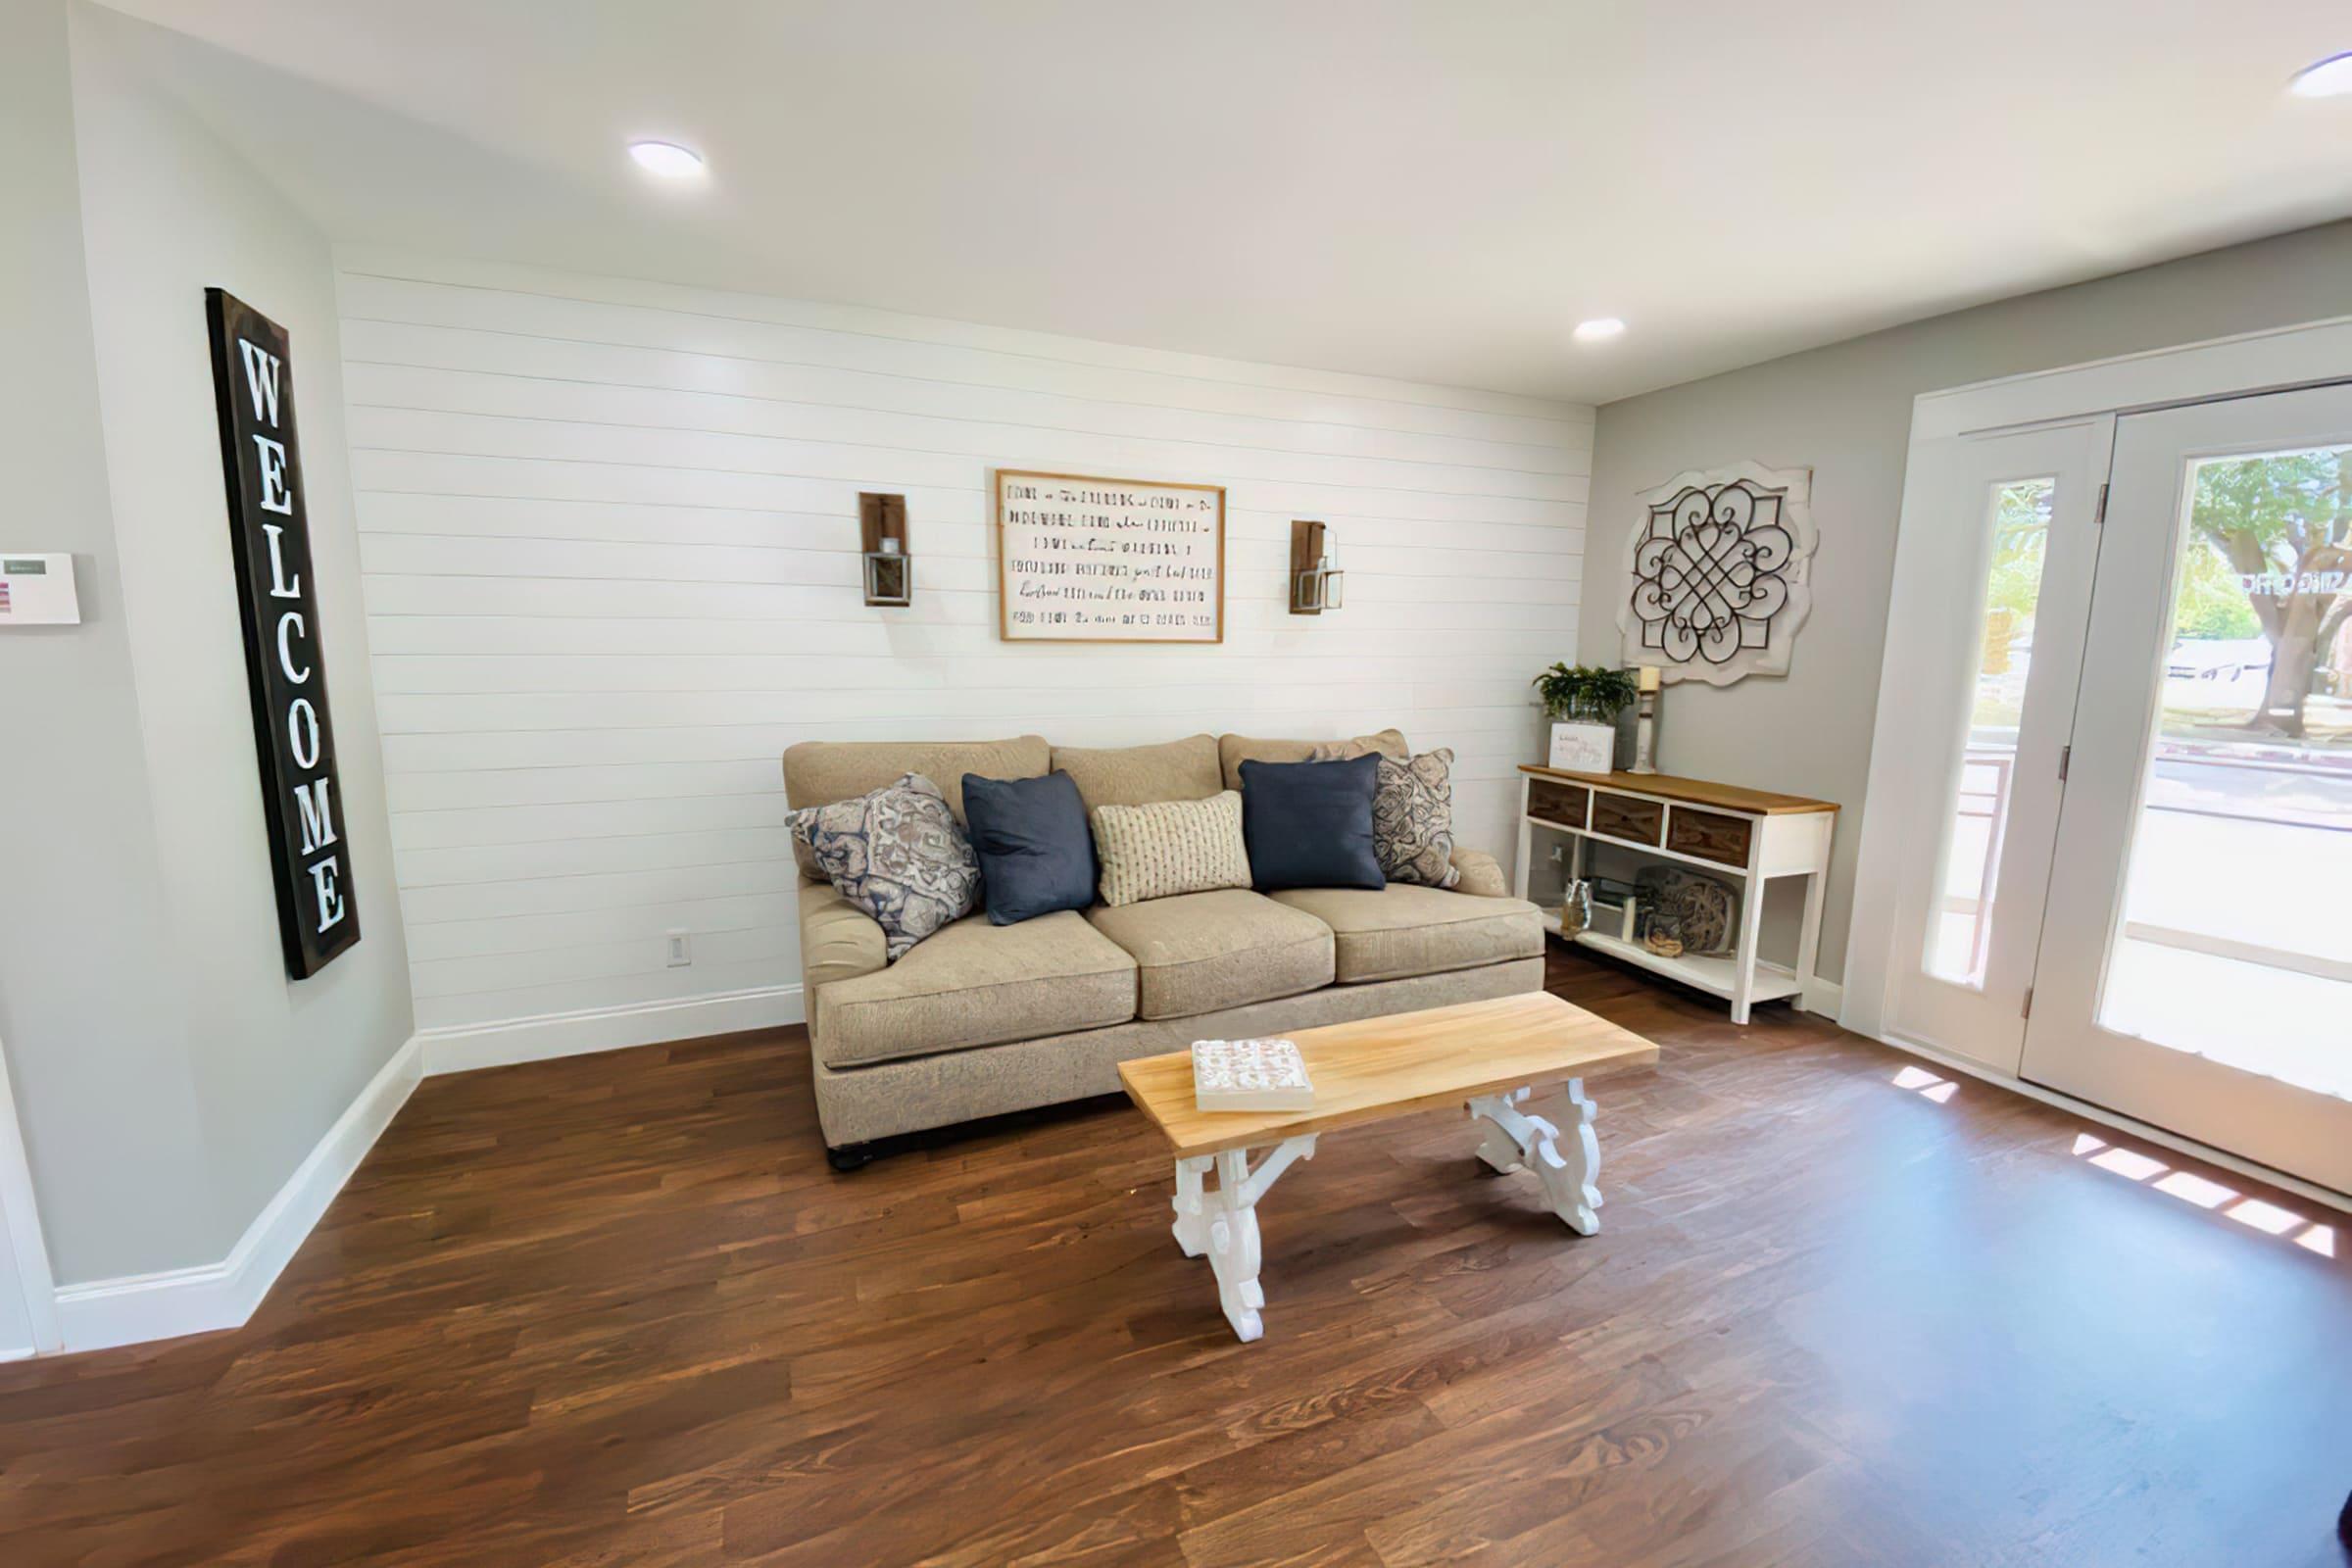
(889, 566)
(1316, 582)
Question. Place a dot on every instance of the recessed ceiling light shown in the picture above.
(2330, 78)
(666, 159)
(1600, 329)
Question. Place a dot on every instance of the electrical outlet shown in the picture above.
(681, 950)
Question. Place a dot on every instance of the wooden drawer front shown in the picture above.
(1710, 835)
(1563, 803)
(1621, 816)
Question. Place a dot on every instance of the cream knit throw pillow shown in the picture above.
(1170, 846)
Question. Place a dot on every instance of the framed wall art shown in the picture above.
(1088, 560)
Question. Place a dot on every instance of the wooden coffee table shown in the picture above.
(1484, 1056)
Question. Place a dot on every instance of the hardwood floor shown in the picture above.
(617, 1310)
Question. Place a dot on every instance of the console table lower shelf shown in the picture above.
(1487, 1056)
(1716, 975)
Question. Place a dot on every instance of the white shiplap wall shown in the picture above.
(609, 542)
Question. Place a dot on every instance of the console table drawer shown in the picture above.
(1710, 835)
(1623, 816)
(1563, 803)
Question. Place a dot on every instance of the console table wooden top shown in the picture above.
(1695, 791)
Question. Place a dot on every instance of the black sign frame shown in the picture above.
(293, 727)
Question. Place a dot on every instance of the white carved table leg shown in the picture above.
(1515, 1141)
(1191, 1224)
(1223, 1223)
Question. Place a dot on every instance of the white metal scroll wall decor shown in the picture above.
(1720, 569)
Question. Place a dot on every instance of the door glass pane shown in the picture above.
(2236, 941)
(1960, 934)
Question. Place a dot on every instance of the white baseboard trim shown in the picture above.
(574, 1034)
(128, 1310)
(1825, 999)
(135, 1308)
(2140, 1130)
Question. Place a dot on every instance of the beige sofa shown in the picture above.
(981, 1019)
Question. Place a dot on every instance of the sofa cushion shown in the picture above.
(821, 772)
(1309, 824)
(976, 984)
(1171, 847)
(1201, 951)
(1235, 749)
(1139, 776)
(1403, 930)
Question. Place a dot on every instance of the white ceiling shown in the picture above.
(1412, 188)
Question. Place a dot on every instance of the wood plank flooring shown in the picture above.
(617, 1310)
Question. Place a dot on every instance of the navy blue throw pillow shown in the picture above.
(1309, 824)
(1037, 854)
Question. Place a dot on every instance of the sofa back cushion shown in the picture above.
(821, 772)
(1235, 749)
(1140, 775)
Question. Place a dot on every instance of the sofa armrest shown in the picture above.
(838, 941)
(1482, 874)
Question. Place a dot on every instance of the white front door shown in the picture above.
(1984, 644)
(2195, 963)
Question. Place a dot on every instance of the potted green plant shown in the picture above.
(1585, 691)
(1583, 701)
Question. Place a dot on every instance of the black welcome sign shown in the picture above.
(253, 385)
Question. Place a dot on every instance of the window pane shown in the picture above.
(2237, 912)
(1961, 934)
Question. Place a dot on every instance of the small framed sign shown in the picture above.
(269, 537)
(1580, 748)
(1085, 559)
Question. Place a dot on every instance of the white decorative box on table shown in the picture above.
(1250, 1075)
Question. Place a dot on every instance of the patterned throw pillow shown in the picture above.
(1170, 846)
(1412, 819)
(897, 854)
(1413, 816)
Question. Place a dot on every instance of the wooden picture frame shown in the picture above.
(1099, 511)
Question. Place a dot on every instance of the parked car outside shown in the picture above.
(2217, 657)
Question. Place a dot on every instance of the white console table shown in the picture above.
(1749, 835)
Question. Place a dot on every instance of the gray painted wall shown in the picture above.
(87, 1006)
(169, 1077)
(167, 211)
(1846, 410)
